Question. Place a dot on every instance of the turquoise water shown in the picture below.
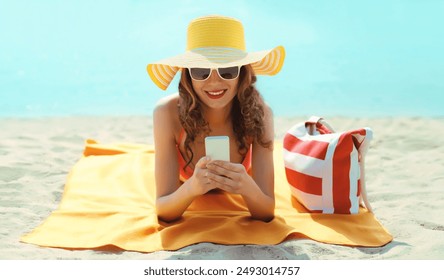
(351, 58)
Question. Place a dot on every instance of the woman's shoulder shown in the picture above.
(268, 123)
(166, 113)
(268, 115)
(268, 111)
(167, 107)
(169, 102)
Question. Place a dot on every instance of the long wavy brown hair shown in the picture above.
(247, 113)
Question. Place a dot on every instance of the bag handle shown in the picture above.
(317, 125)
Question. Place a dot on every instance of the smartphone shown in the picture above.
(218, 147)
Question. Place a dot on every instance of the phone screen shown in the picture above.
(218, 147)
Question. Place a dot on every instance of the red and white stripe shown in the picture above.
(323, 170)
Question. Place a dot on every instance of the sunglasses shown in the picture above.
(202, 74)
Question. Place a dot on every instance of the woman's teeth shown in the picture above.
(216, 92)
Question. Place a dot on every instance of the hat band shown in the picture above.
(220, 55)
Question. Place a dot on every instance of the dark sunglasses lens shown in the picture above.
(229, 72)
(200, 73)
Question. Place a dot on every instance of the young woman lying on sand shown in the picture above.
(217, 96)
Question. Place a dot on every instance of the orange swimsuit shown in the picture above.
(186, 173)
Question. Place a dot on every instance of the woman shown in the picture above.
(216, 97)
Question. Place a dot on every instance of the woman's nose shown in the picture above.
(214, 76)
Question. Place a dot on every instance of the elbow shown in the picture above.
(168, 219)
(266, 217)
(165, 215)
(265, 213)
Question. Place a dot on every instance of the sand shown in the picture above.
(405, 180)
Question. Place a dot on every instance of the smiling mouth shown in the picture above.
(215, 94)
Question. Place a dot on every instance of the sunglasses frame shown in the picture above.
(217, 71)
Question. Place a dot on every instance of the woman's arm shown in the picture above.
(172, 198)
(258, 189)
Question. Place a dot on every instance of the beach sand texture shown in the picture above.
(404, 169)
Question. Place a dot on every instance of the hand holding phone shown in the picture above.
(218, 147)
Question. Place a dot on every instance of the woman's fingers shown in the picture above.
(224, 183)
(225, 168)
(201, 171)
(202, 163)
(228, 170)
(226, 176)
(200, 180)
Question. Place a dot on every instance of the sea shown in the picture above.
(343, 58)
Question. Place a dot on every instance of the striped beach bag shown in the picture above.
(325, 169)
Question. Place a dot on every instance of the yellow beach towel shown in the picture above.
(109, 199)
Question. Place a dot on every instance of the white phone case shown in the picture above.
(218, 147)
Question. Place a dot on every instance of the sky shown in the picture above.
(353, 58)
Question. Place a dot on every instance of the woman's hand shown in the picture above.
(199, 182)
(230, 177)
(233, 178)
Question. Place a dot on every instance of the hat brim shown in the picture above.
(267, 62)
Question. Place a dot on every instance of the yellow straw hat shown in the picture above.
(212, 42)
